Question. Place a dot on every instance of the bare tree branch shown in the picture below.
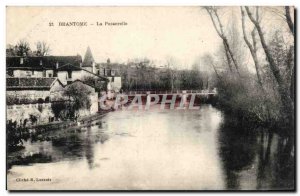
(289, 19)
(287, 102)
(253, 49)
(220, 32)
(42, 48)
(210, 61)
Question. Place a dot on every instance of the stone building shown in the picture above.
(31, 90)
(111, 71)
(29, 98)
(39, 66)
(65, 68)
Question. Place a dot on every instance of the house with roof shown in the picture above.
(111, 71)
(33, 89)
(39, 66)
(65, 68)
(29, 98)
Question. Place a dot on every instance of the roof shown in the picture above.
(101, 77)
(30, 83)
(43, 62)
(80, 82)
(111, 66)
(69, 67)
(88, 58)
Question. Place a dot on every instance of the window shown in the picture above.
(28, 73)
(69, 74)
(50, 75)
(112, 79)
(112, 72)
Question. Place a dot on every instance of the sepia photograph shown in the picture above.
(150, 98)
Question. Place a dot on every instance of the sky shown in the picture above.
(153, 32)
(157, 33)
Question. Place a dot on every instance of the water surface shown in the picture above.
(158, 149)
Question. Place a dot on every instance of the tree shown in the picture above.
(10, 50)
(252, 47)
(57, 107)
(172, 72)
(79, 98)
(22, 48)
(288, 106)
(214, 16)
(208, 59)
(289, 19)
(42, 48)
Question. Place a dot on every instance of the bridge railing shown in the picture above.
(171, 92)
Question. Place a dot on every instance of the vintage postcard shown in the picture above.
(150, 98)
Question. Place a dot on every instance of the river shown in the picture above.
(157, 149)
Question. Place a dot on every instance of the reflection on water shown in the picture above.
(256, 159)
(157, 149)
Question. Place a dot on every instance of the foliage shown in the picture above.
(144, 75)
(245, 99)
(78, 98)
(265, 96)
(95, 82)
(15, 134)
(57, 108)
(22, 48)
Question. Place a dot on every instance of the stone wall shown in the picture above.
(27, 73)
(21, 113)
(29, 94)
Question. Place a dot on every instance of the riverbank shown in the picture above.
(54, 131)
(66, 124)
(249, 116)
